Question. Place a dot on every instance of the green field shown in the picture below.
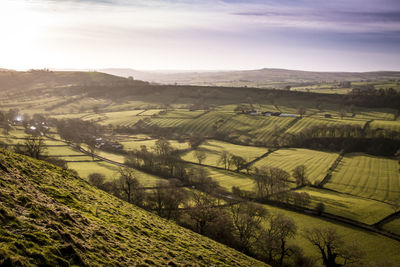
(393, 226)
(356, 208)
(367, 176)
(130, 145)
(307, 122)
(386, 125)
(317, 162)
(368, 242)
(227, 179)
(214, 148)
(252, 129)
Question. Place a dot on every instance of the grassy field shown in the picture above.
(387, 125)
(367, 176)
(130, 145)
(227, 179)
(356, 208)
(252, 129)
(214, 148)
(317, 162)
(393, 226)
(309, 122)
(368, 242)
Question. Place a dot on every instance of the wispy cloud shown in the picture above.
(201, 34)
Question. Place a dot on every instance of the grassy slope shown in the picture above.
(50, 217)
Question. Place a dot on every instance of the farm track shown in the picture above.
(305, 211)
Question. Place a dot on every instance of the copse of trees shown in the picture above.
(269, 181)
(350, 138)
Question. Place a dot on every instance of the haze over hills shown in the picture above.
(261, 77)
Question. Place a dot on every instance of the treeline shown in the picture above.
(349, 138)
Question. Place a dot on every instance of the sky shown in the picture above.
(317, 35)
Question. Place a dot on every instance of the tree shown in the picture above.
(195, 140)
(203, 211)
(96, 179)
(34, 146)
(299, 173)
(130, 186)
(238, 161)
(269, 181)
(273, 241)
(332, 247)
(302, 199)
(200, 155)
(163, 148)
(224, 158)
(91, 143)
(320, 208)
(301, 111)
(247, 221)
(166, 199)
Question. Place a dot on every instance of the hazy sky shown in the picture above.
(340, 35)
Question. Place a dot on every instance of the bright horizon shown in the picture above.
(312, 35)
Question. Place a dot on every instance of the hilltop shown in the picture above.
(50, 217)
(262, 77)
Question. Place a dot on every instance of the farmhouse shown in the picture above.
(287, 115)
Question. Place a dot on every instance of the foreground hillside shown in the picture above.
(50, 217)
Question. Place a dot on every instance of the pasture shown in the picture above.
(359, 209)
(367, 176)
(214, 149)
(317, 162)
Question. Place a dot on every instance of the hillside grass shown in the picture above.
(49, 217)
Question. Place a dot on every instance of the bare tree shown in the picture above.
(34, 146)
(130, 186)
(330, 244)
(166, 198)
(224, 158)
(269, 181)
(299, 173)
(273, 241)
(96, 179)
(247, 221)
(238, 161)
(203, 211)
(200, 155)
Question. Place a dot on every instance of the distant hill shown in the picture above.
(257, 78)
(10, 80)
(48, 217)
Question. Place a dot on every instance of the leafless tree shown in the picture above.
(274, 239)
(200, 155)
(330, 244)
(247, 220)
(299, 173)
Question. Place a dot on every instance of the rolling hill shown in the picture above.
(256, 78)
(49, 217)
